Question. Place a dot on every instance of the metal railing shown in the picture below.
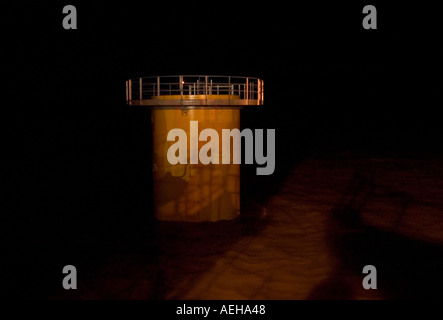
(239, 90)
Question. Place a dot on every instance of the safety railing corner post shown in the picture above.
(258, 92)
(130, 90)
(127, 99)
(262, 92)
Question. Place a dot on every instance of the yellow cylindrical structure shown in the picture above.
(193, 191)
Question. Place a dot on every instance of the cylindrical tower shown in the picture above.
(194, 191)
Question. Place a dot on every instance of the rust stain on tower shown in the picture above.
(194, 192)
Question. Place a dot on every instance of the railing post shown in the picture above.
(180, 78)
(130, 90)
(262, 98)
(229, 90)
(141, 89)
(127, 100)
(206, 90)
(258, 91)
(158, 86)
(247, 91)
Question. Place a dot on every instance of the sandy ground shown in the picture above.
(311, 240)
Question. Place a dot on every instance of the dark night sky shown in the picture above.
(71, 142)
(323, 72)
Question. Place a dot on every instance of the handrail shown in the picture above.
(239, 90)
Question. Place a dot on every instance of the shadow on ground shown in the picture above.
(407, 268)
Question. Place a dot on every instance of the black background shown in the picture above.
(78, 159)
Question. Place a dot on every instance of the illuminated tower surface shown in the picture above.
(194, 192)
